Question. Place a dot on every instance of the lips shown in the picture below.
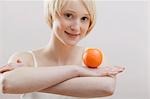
(72, 34)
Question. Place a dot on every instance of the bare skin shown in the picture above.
(60, 69)
(79, 75)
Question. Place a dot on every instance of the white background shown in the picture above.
(121, 31)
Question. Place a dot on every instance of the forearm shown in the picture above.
(27, 79)
(84, 87)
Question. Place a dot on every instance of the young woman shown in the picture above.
(59, 69)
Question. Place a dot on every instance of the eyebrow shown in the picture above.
(75, 12)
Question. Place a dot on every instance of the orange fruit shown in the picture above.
(92, 57)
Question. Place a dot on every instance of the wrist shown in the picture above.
(83, 71)
(77, 70)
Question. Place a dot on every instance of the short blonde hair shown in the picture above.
(53, 7)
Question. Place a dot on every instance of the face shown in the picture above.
(72, 23)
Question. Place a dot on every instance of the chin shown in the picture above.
(71, 43)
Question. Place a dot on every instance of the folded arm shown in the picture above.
(88, 87)
(75, 81)
(29, 79)
(60, 80)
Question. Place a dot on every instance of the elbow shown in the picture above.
(6, 87)
(109, 91)
(3, 85)
(108, 88)
(10, 88)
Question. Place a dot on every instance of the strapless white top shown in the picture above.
(39, 95)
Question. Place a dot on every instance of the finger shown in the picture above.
(118, 68)
(3, 66)
(115, 73)
(5, 69)
(106, 73)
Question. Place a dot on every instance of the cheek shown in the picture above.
(85, 28)
(55, 25)
(62, 25)
(58, 26)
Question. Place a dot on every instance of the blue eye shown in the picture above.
(68, 15)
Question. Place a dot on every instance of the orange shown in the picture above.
(92, 57)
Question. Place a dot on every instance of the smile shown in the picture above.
(72, 35)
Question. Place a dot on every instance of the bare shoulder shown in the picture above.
(23, 57)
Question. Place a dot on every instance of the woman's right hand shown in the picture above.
(102, 71)
(10, 67)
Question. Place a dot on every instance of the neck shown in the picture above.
(60, 52)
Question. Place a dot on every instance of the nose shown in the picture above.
(75, 26)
